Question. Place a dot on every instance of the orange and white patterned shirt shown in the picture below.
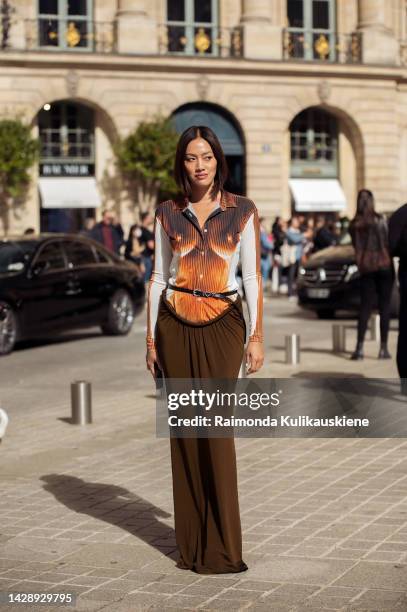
(207, 258)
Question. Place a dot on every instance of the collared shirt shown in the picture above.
(206, 258)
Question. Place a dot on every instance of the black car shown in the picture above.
(55, 282)
(329, 281)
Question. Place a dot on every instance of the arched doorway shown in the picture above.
(68, 191)
(317, 145)
(227, 130)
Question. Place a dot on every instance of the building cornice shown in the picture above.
(192, 64)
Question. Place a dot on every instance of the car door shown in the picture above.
(44, 295)
(82, 267)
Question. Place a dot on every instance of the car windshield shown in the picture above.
(15, 255)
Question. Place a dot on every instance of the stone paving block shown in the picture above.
(277, 606)
(204, 589)
(54, 577)
(306, 551)
(18, 574)
(373, 597)
(89, 581)
(86, 605)
(128, 557)
(372, 532)
(25, 548)
(349, 592)
(182, 578)
(102, 594)
(291, 593)
(290, 569)
(144, 576)
(258, 585)
(108, 572)
(321, 601)
(392, 546)
(229, 604)
(184, 601)
(6, 583)
(31, 586)
(163, 587)
(125, 585)
(390, 557)
(358, 544)
(374, 575)
(344, 553)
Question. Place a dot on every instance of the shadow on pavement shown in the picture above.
(104, 502)
(57, 339)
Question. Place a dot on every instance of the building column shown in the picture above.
(379, 44)
(262, 39)
(136, 31)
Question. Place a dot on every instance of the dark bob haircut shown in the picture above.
(181, 177)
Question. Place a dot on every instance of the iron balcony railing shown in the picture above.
(200, 39)
(55, 34)
(314, 45)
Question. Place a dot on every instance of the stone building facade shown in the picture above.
(309, 97)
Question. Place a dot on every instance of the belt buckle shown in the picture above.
(194, 292)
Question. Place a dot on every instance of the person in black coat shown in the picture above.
(369, 233)
(324, 236)
(398, 248)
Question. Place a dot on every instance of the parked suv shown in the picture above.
(329, 281)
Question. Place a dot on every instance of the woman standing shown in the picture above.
(369, 234)
(196, 329)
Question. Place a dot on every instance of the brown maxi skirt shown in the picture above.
(206, 505)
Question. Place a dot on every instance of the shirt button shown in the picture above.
(199, 299)
(201, 276)
(205, 230)
(202, 252)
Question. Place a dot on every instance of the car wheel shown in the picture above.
(326, 313)
(120, 314)
(8, 328)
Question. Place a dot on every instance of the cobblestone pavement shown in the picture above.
(88, 510)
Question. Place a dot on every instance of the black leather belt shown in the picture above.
(199, 293)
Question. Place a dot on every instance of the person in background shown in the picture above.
(144, 234)
(308, 245)
(88, 226)
(324, 236)
(106, 233)
(266, 253)
(133, 251)
(303, 223)
(398, 248)
(118, 226)
(369, 233)
(278, 230)
(295, 243)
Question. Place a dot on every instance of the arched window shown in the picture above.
(192, 27)
(66, 132)
(311, 29)
(314, 144)
(65, 25)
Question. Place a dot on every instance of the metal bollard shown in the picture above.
(81, 402)
(375, 327)
(292, 349)
(338, 338)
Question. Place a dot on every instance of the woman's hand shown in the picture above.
(254, 357)
(151, 359)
